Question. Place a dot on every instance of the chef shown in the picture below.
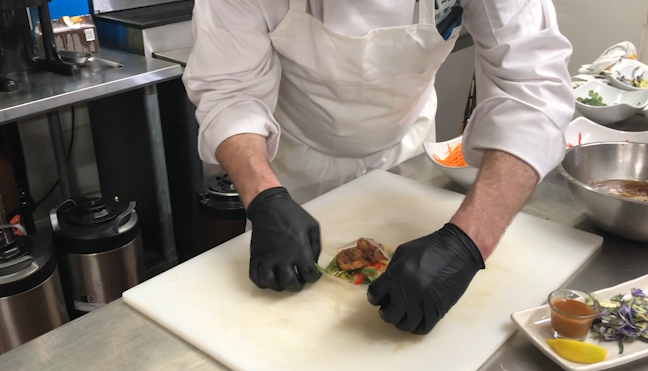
(297, 97)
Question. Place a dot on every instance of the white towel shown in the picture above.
(613, 58)
(610, 57)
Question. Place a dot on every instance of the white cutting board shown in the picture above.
(210, 302)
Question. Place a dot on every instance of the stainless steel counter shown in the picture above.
(44, 91)
(180, 55)
(117, 337)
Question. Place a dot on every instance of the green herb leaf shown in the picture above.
(621, 345)
(369, 272)
(332, 265)
(594, 99)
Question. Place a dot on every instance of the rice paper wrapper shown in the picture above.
(330, 252)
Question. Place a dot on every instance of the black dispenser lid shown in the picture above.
(91, 212)
(25, 262)
(93, 225)
(219, 199)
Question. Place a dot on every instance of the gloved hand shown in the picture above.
(284, 237)
(425, 278)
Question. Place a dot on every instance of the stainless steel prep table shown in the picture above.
(45, 92)
(117, 337)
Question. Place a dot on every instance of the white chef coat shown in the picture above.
(524, 95)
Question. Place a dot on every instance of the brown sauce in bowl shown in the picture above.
(565, 320)
(632, 189)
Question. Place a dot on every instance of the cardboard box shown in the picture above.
(72, 33)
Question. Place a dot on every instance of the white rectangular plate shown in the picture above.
(534, 323)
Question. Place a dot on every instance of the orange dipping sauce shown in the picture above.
(571, 318)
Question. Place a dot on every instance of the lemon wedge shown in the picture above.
(577, 351)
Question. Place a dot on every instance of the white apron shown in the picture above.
(348, 105)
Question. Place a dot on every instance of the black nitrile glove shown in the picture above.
(285, 242)
(425, 278)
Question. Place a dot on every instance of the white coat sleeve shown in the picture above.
(524, 94)
(232, 75)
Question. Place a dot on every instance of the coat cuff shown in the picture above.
(513, 127)
(246, 117)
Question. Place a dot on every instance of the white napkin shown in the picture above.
(610, 57)
(613, 58)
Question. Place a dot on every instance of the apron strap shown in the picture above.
(298, 5)
(426, 10)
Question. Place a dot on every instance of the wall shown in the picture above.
(452, 86)
(59, 8)
(591, 27)
(643, 55)
(594, 25)
(41, 167)
(37, 143)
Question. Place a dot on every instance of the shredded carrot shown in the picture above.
(359, 278)
(454, 157)
(580, 138)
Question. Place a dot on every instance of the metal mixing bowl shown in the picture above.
(606, 161)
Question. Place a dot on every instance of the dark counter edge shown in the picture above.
(141, 25)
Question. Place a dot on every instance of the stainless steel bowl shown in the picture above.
(602, 161)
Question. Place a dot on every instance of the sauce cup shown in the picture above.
(572, 313)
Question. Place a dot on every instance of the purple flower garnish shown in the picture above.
(624, 310)
(623, 318)
(628, 331)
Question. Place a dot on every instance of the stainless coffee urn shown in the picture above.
(99, 248)
(221, 215)
(31, 299)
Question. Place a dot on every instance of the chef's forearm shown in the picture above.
(244, 157)
(503, 186)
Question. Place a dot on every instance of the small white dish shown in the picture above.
(628, 71)
(591, 132)
(535, 324)
(621, 104)
(464, 176)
